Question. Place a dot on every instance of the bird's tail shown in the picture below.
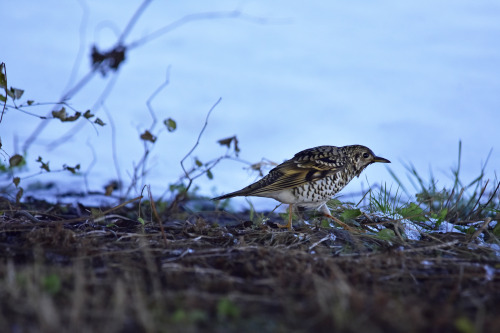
(255, 189)
(227, 196)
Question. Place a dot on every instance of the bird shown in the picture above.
(311, 177)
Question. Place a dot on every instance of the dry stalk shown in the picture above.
(155, 212)
(483, 227)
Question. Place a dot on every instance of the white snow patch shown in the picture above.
(489, 272)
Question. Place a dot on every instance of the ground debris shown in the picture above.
(66, 269)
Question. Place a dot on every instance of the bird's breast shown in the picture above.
(321, 190)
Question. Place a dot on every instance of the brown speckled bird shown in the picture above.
(311, 177)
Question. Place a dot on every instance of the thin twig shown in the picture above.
(68, 95)
(153, 96)
(83, 218)
(483, 227)
(155, 212)
(114, 147)
(492, 196)
(90, 167)
(198, 140)
(96, 67)
(143, 162)
(82, 43)
(79, 125)
(480, 196)
(4, 67)
(122, 204)
(187, 174)
(197, 17)
(133, 21)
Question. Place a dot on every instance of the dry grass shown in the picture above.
(64, 271)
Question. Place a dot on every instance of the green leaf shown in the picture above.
(16, 180)
(442, 215)
(210, 175)
(349, 214)
(334, 203)
(471, 230)
(2, 98)
(412, 212)
(141, 221)
(30, 102)
(226, 309)
(171, 124)
(198, 163)
(386, 234)
(465, 325)
(325, 223)
(496, 230)
(51, 284)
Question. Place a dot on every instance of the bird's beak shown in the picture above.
(381, 160)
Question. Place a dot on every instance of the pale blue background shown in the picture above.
(407, 79)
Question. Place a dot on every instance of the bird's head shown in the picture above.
(362, 157)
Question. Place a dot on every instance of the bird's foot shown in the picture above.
(289, 224)
(283, 226)
(342, 224)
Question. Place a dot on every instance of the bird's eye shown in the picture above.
(366, 155)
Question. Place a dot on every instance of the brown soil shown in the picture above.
(64, 270)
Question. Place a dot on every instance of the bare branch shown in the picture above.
(4, 68)
(196, 17)
(90, 167)
(82, 43)
(133, 21)
(155, 212)
(198, 140)
(34, 135)
(78, 126)
(113, 145)
(153, 96)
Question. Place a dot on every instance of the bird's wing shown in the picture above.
(306, 166)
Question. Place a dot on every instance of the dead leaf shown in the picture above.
(88, 114)
(43, 165)
(15, 160)
(98, 121)
(63, 116)
(147, 136)
(227, 142)
(72, 169)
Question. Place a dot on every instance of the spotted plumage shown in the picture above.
(312, 176)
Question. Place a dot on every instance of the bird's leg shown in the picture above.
(326, 213)
(289, 224)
